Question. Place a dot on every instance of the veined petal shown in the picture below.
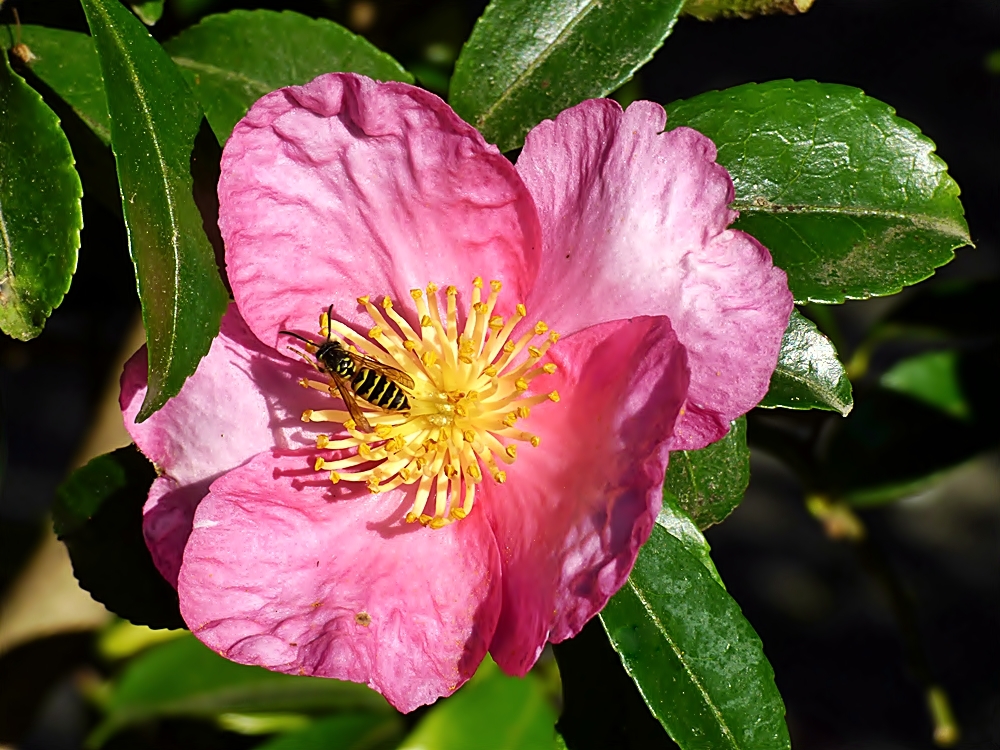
(284, 571)
(573, 513)
(345, 187)
(243, 398)
(634, 222)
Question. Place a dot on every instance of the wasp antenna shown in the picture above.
(329, 321)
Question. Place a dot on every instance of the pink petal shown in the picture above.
(574, 511)
(287, 571)
(634, 223)
(244, 398)
(346, 187)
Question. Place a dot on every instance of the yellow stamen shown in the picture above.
(472, 383)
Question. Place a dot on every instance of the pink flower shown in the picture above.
(533, 462)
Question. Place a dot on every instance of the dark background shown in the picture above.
(826, 611)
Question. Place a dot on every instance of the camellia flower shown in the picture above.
(565, 323)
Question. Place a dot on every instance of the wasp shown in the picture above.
(357, 376)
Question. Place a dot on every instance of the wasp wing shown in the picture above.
(397, 376)
(347, 396)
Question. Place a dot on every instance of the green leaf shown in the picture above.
(98, 515)
(67, 62)
(358, 732)
(40, 212)
(679, 525)
(186, 678)
(154, 122)
(492, 712)
(931, 377)
(809, 375)
(709, 483)
(233, 59)
(149, 12)
(699, 664)
(850, 199)
(528, 60)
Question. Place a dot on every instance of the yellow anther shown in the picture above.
(458, 514)
(521, 384)
(450, 471)
(307, 415)
(429, 358)
(495, 285)
(511, 450)
(473, 396)
(554, 396)
(478, 282)
(386, 302)
(363, 300)
(303, 382)
(474, 472)
(373, 486)
(411, 517)
(523, 411)
(451, 291)
(364, 451)
(549, 367)
(481, 308)
(490, 371)
(534, 352)
(334, 477)
(521, 309)
(410, 345)
(500, 477)
(496, 322)
(383, 430)
(374, 333)
(540, 328)
(432, 288)
(426, 321)
(318, 464)
(322, 441)
(460, 410)
(350, 424)
(416, 294)
(508, 347)
(535, 441)
(553, 336)
(424, 519)
(438, 523)
(510, 419)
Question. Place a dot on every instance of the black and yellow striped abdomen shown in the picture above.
(378, 390)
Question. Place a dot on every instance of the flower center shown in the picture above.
(470, 389)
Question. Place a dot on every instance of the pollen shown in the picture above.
(474, 384)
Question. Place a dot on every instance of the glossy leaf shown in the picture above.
(40, 211)
(154, 122)
(233, 59)
(186, 678)
(347, 732)
(527, 60)
(67, 62)
(98, 515)
(709, 483)
(809, 375)
(679, 525)
(850, 199)
(932, 378)
(700, 666)
(149, 12)
(491, 712)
